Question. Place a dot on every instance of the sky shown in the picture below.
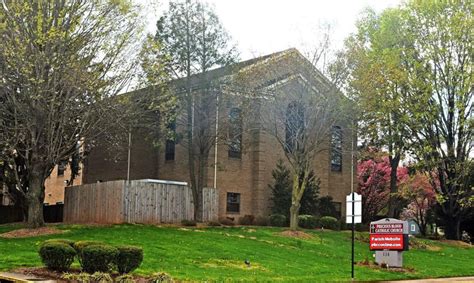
(261, 27)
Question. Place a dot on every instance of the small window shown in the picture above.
(170, 146)
(233, 202)
(235, 133)
(62, 167)
(336, 149)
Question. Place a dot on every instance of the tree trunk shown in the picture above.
(393, 205)
(452, 228)
(35, 198)
(294, 212)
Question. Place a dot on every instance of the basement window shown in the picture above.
(233, 202)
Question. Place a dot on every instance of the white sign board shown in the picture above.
(357, 208)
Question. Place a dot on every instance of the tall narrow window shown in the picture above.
(294, 127)
(235, 133)
(233, 202)
(336, 149)
(170, 146)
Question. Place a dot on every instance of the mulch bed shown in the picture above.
(44, 273)
(373, 265)
(25, 233)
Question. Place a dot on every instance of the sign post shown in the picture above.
(353, 215)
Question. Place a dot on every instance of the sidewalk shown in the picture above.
(450, 279)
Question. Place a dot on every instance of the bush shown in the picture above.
(213, 224)
(226, 222)
(278, 220)
(78, 277)
(100, 258)
(247, 220)
(129, 258)
(261, 221)
(126, 278)
(56, 255)
(161, 277)
(307, 221)
(101, 277)
(64, 241)
(186, 222)
(80, 245)
(329, 222)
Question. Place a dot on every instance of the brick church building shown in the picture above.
(243, 170)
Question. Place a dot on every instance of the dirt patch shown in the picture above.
(25, 233)
(295, 234)
(460, 244)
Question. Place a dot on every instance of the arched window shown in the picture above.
(294, 127)
(336, 149)
(235, 133)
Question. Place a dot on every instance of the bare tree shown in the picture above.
(61, 63)
(301, 110)
(191, 41)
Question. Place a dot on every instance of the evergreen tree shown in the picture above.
(281, 192)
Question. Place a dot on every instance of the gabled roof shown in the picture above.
(256, 74)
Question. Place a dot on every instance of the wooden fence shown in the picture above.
(140, 201)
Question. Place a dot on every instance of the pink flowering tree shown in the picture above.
(419, 190)
(373, 176)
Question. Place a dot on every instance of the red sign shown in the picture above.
(386, 241)
(388, 228)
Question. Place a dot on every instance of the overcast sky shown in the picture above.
(261, 27)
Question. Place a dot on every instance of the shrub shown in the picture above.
(247, 220)
(80, 245)
(101, 277)
(261, 221)
(126, 278)
(186, 222)
(64, 241)
(329, 222)
(213, 224)
(161, 277)
(56, 255)
(227, 222)
(278, 220)
(98, 258)
(129, 258)
(307, 221)
(326, 207)
(78, 277)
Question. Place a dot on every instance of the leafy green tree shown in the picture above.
(411, 73)
(377, 56)
(443, 108)
(61, 62)
(191, 41)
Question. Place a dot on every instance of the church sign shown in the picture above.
(389, 238)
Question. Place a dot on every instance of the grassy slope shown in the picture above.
(219, 253)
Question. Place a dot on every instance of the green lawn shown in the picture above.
(219, 253)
